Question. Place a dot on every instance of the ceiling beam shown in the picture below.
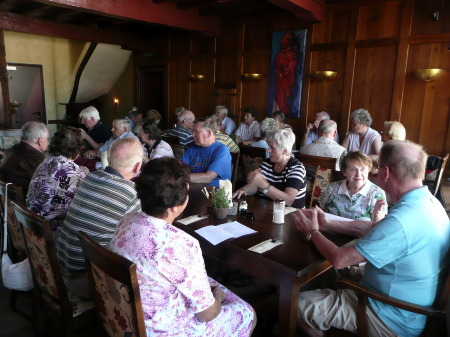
(19, 23)
(314, 10)
(165, 14)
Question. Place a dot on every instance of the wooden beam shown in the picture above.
(165, 14)
(315, 9)
(19, 23)
(4, 83)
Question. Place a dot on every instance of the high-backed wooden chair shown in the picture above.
(234, 167)
(50, 293)
(323, 162)
(116, 288)
(433, 184)
(436, 325)
(178, 150)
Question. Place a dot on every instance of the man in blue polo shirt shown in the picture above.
(209, 160)
(406, 252)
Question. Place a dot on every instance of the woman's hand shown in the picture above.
(257, 179)
(218, 293)
(240, 193)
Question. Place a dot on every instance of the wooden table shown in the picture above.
(287, 266)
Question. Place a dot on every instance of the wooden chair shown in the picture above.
(323, 162)
(234, 167)
(116, 288)
(436, 314)
(49, 289)
(433, 184)
(178, 150)
(172, 140)
(251, 158)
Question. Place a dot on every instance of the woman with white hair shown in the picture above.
(281, 176)
(362, 137)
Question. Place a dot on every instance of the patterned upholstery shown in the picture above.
(321, 182)
(7, 142)
(113, 301)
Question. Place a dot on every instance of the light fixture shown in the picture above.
(428, 74)
(11, 68)
(323, 75)
(116, 100)
(197, 78)
(251, 77)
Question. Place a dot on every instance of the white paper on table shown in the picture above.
(217, 234)
(191, 219)
(265, 246)
(336, 217)
(288, 210)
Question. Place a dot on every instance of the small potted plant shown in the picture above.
(220, 202)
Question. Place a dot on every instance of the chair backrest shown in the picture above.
(178, 150)
(172, 140)
(41, 253)
(434, 184)
(234, 167)
(116, 288)
(323, 162)
(251, 158)
(15, 193)
(252, 151)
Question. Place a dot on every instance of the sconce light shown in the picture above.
(251, 77)
(428, 74)
(116, 100)
(323, 75)
(197, 78)
(116, 105)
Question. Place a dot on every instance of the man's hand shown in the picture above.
(309, 126)
(91, 154)
(83, 133)
(305, 224)
(379, 211)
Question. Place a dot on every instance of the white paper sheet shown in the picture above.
(217, 234)
(288, 210)
(191, 219)
(265, 246)
(336, 217)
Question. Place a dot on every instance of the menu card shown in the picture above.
(217, 234)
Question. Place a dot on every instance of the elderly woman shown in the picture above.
(267, 125)
(280, 118)
(56, 180)
(281, 176)
(155, 147)
(356, 196)
(177, 296)
(248, 132)
(393, 130)
(362, 137)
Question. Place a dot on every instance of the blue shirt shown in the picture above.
(406, 251)
(215, 157)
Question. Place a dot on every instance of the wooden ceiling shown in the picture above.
(130, 22)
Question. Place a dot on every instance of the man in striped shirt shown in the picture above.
(101, 200)
(184, 128)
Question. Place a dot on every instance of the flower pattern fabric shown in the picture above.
(53, 187)
(173, 281)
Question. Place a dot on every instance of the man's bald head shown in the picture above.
(327, 128)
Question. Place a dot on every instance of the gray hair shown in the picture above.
(222, 109)
(283, 139)
(323, 115)
(185, 115)
(90, 112)
(179, 109)
(32, 131)
(406, 159)
(208, 123)
(124, 153)
(122, 123)
(268, 125)
(327, 126)
(362, 116)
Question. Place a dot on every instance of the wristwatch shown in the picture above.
(309, 235)
(266, 190)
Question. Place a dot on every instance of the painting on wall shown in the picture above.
(286, 72)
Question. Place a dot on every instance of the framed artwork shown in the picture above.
(286, 72)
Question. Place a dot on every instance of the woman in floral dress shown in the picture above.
(56, 180)
(178, 298)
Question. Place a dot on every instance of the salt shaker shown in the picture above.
(243, 206)
(278, 211)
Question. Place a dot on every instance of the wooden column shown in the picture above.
(4, 83)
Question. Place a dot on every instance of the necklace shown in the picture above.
(282, 165)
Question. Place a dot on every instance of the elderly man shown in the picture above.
(405, 252)
(20, 161)
(223, 137)
(311, 129)
(94, 127)
(134, 117)
(228, 125)
(101, 200)
(209, 160)
(325, 146)
(184, 128)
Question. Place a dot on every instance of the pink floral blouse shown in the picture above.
(173, 282)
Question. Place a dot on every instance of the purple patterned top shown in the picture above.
(53, 187)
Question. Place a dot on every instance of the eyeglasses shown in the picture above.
(247, 215)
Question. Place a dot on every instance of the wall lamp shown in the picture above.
(197, 78)
(251, 77)
(323, 75)
(428, 74)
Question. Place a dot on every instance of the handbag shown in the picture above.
(15, 276)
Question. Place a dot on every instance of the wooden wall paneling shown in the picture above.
(202, 102)
(374, 81)
(402, 60)
(227, 46)
(257, 37)
(177, 87)
(380, 20)
(334, 28)
(179, 45)
(424, 23)
(203, 45)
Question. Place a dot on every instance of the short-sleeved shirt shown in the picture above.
(53, 187)
(160, 149)
(293, 175)
(366, 145)
(227, 141)
(313, 135)
(337, 200)
(228, 125)
(215, 157)
(248, 132)
(105, 147)
(183, 134)
(406, 252)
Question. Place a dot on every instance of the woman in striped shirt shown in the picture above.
(281, 176)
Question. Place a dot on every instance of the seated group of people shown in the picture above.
(178, 298)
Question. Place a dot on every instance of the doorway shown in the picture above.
(151, 90)
(26, 90)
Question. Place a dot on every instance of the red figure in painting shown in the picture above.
(285, 63)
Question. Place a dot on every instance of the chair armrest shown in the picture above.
(419, 309)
